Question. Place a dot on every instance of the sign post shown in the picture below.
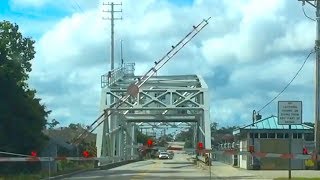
(289, 113)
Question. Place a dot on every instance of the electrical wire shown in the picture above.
(75, 5)
(313, 51)
(78, 5)
(307, 15)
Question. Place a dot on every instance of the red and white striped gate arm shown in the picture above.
(34, 159)
(270, 155)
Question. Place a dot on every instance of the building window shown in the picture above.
(271, 135)
(308, 137)
(299, 135)
(294, 135)
(263, 135)
(256, 135)
(286, 135)
(251, 135)
(280, 135)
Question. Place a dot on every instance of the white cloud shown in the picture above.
(301, 36)
(29, 3)
(247, 54)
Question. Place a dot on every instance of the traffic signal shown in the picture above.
(85, 154)
(149, 142)
(304, 151)
(33, 154)
(251, 149)
(200, 145)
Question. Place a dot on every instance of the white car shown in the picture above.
(163, 155)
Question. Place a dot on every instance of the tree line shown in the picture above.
(23, 115)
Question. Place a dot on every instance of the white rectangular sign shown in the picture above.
(289, 112)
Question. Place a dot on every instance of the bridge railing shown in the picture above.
(115, 75)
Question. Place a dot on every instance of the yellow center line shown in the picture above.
(141, 175)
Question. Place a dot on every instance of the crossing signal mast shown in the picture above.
(133, 89)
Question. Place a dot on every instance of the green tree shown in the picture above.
(16, 52)
(53, 123)
(141, 138)
(187, 137)
(163, 140)
(22, 116)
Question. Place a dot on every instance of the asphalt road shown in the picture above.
(177, 168)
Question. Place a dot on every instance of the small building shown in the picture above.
(268, 136)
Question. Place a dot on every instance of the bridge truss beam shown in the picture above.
(163, 101)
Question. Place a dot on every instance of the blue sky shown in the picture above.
(247, 54)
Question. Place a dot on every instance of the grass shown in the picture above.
(45, 174)
(297, 178)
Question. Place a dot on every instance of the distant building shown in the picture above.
(270, 137)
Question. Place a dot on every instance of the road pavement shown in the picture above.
(177, 168)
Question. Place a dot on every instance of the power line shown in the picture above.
(78, 5)
(306, 14)
(289, 82)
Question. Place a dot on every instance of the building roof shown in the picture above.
(271, 123)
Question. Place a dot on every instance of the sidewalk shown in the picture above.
(225, 171)
(284, 173)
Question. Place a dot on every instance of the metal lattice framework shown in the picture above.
(127, 99)
(163, 101)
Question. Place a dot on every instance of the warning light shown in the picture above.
(251, 149)
(85, 154)
(304, 151)
(200, 145)
(149, 142)
(33, 154)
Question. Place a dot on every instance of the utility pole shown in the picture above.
(112, 11)
(121, 55)
(317, 78)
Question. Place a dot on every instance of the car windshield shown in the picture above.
(163, 153)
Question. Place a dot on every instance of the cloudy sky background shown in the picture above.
(249, 51)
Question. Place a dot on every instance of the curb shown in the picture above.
(69, 174)
(104, 167)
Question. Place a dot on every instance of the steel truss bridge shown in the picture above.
(129, 102)
(163, 101)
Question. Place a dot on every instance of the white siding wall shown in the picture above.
(243, 159)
